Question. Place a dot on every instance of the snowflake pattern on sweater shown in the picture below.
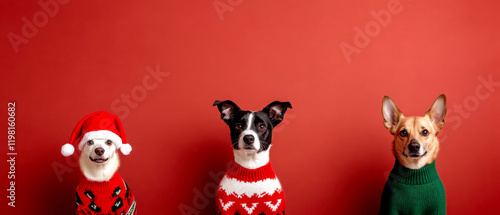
(245, 191)
(112, 197)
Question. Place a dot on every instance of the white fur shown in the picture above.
(99, 171)
(415, 163)
(100, 134)
(250, 121)
(240, 188)
(249, 131)
(250, 159)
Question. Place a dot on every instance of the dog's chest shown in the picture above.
(249, 192)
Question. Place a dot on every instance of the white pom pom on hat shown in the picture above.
(126, 148)
(67, 150)
(98, 125)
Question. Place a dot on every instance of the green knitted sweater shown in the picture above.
(409, 191)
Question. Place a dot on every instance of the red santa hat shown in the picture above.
(98, 125)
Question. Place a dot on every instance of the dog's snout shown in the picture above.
(99, 151)
(414, 146)
(248, 139)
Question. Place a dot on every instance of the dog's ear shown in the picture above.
(276, 111)
(391, 113)
(227, 109)
(437, 112)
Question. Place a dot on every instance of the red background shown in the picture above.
(332, 152)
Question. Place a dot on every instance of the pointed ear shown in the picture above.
(227, 109)
(391, 113)
(437, 112)
(276, 111)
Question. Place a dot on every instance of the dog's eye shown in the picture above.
(90, 142)
(262, 126)
(425, 133)
(239, 126)
(403, 133)
(108, 142)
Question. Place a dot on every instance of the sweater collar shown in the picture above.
(244, 174)
(113, 183)
(424, 175)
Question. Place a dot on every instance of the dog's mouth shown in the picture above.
(98, 160)
(248, 147)
(415, 154)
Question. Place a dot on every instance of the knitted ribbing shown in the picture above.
(415, 192)
(424, 175)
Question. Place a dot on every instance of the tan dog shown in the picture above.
(415, 141)
(414, 186)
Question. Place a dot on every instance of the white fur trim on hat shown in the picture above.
(101, 134)
(126, 149)
(67, 149)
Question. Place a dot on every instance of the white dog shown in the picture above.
(99, 160)
(101, 190)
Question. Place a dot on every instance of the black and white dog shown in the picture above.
(250, 184)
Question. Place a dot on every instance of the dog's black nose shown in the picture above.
(414, 146)
(248, 139)
(99, 151)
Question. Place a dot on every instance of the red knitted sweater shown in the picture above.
(245, 191)
(105, 198)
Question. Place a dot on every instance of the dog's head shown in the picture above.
(252, 130)
(99, 151)
(415, 141)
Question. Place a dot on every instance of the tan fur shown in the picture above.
(102, 171)
(433, 121)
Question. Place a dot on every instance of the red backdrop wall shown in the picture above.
(159, 65)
